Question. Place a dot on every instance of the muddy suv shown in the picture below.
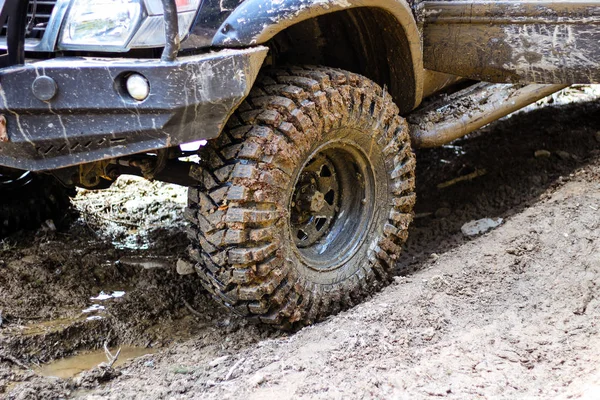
(304, 189)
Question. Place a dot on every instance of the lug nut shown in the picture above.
(138, 87)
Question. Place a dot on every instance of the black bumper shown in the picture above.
(92, 118)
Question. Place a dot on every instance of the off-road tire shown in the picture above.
(240, 212)
(30, 200)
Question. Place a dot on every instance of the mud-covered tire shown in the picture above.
(27, 200)
(241, 228)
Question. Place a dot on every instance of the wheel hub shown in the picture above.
(317, 202)
(330, 208)
(314, 205)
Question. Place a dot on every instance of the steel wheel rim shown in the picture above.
(329, 219)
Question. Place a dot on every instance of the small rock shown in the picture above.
(598, 136)
(222, 324)
(475, 228)
(443, 212)
(49, 225)
(218, 361)
(428, 333)
(542, 154)
(149, 364)
(436, 282)
(180, 386)
(256, 379)
(184, 267)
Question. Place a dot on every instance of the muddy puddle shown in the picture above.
(71, 366)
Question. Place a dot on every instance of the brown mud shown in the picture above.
(511, 313)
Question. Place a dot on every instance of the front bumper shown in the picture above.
(91, 118)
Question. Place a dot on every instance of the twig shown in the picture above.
(232, 370)
(189, 307)
(468, 177)
(111, 359)
(87, 224)
(116, 357)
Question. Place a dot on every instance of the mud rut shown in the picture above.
(511, 313)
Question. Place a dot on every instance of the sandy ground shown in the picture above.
(512, 313)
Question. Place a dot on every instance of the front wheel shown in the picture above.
(304, 201)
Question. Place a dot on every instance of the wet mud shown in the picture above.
(75, 365)
(510, 313)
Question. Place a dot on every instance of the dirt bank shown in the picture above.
(512, 313)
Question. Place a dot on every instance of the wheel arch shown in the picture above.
(380, 38)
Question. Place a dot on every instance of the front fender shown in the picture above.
(257, 21)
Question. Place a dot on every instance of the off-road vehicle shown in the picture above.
(303, 194)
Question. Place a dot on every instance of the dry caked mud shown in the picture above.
(513, 313)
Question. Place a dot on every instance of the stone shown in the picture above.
(542, 154)
(184, 267)
(474, 228)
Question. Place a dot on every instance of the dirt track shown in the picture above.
(510, 314)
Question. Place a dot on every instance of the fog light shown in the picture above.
(138, 87)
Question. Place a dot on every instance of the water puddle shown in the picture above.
(93, 308)
(71, 366)
(112, 295)
(98, 308)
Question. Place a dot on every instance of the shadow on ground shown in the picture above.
(565, 137)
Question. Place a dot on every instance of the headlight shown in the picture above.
(120, 25)
(100, 24)
(152, 31)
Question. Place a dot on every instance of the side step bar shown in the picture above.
(465, 111)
